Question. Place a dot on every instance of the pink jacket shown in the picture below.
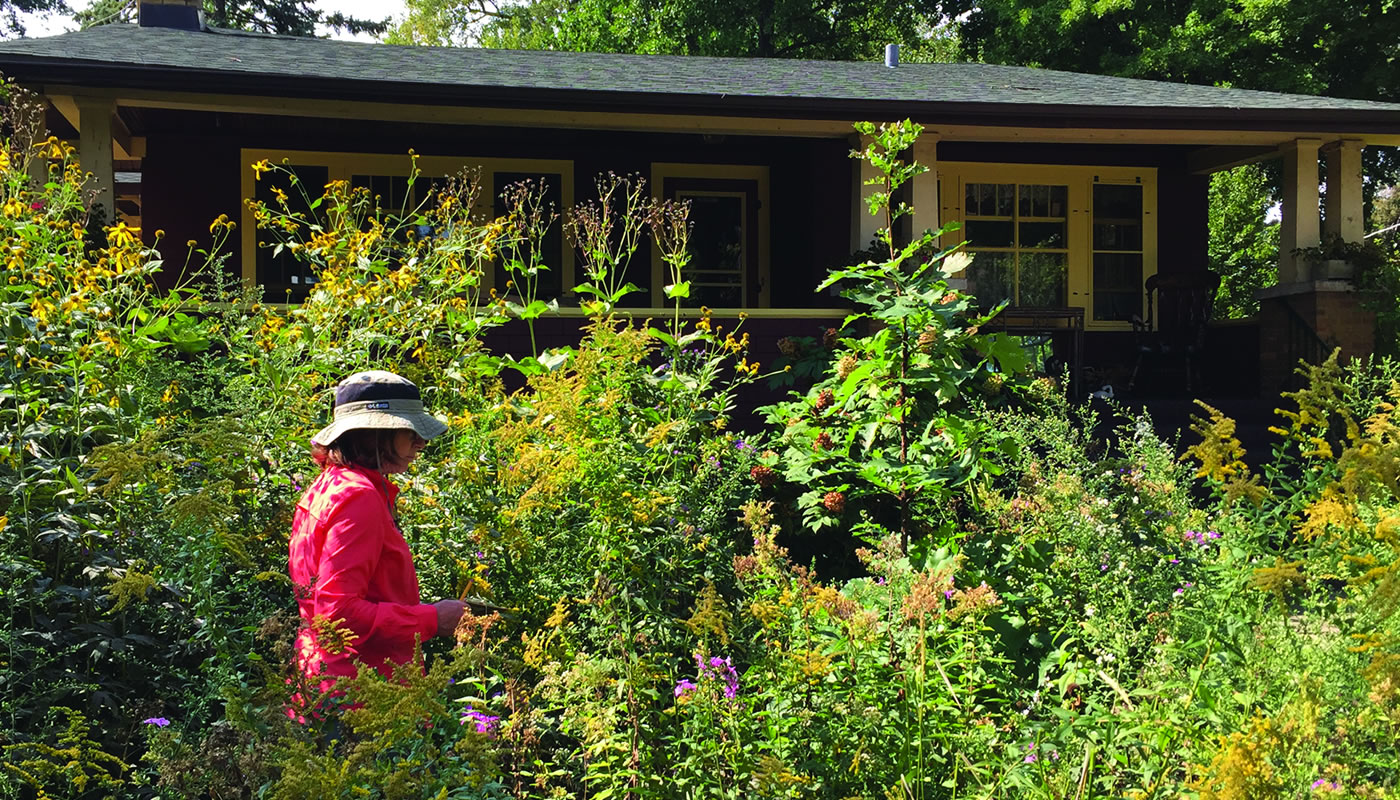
(349, 562)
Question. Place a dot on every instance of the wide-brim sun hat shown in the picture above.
(379, 400)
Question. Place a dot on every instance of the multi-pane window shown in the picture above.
(385, 177)
(728, 240)
(1019, 233)
(1118, 251)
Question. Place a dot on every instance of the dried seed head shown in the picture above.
(824, 399)
(763, 475)
(928, 339)
(835, 502)
(846, 366)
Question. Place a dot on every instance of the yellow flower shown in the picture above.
(259, 168)
(122, 236)
(4, 160)
(13, 207)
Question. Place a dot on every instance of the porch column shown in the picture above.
(1301, 219)
(1342, 204)
(95, 149)
(863, 223)
(924, 192)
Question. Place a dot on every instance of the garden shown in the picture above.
(925, 574)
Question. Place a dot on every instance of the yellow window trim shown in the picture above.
(660, 171)
(954, 175)
(342, 166)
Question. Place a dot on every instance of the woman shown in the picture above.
(354, 576)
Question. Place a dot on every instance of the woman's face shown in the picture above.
(406, 445)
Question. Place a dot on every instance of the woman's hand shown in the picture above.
(449, 613)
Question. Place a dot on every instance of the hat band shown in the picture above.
(379, 406)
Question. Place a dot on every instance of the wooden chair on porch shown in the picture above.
(1176, 332)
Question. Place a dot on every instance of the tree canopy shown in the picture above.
(290, 17)
(1340, 49)
(11, 24)
(848, 29)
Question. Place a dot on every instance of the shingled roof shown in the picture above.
(129, 56)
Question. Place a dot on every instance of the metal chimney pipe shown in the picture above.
(891, 55)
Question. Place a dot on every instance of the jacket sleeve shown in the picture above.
(354, 540)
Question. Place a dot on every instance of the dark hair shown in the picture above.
(368, 448)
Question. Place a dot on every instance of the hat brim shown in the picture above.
(422, 423)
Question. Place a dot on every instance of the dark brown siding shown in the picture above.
(809, 193)
(186, 183)
(192, 175)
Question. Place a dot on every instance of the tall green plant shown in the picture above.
(890, 431)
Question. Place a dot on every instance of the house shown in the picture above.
(1072, 190)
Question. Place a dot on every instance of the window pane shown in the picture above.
(1117, 285)
(1044, 278)
(284, 277)
(1112, 236)
(990, 233)
(990, 199)
(1043, 200)
(1117, 217)
(989, 277)
(716, 266)
(391, 191)
(1006, 199)
(1043, 234)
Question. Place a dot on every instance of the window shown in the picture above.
(728, 243)
(1118, 250)
(386, 176)
(1020, 233)
(1046, 236)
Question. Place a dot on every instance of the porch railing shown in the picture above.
(1301, 343)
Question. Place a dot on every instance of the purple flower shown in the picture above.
(684, 687)
(740, 444)
(1202, 537)
(484, 723)
(720, 669)
(1175, 561)
(159, 722)
(948, 594)
(1322, 784)
(1030, 754)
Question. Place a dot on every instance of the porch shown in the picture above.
(1073, 191)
